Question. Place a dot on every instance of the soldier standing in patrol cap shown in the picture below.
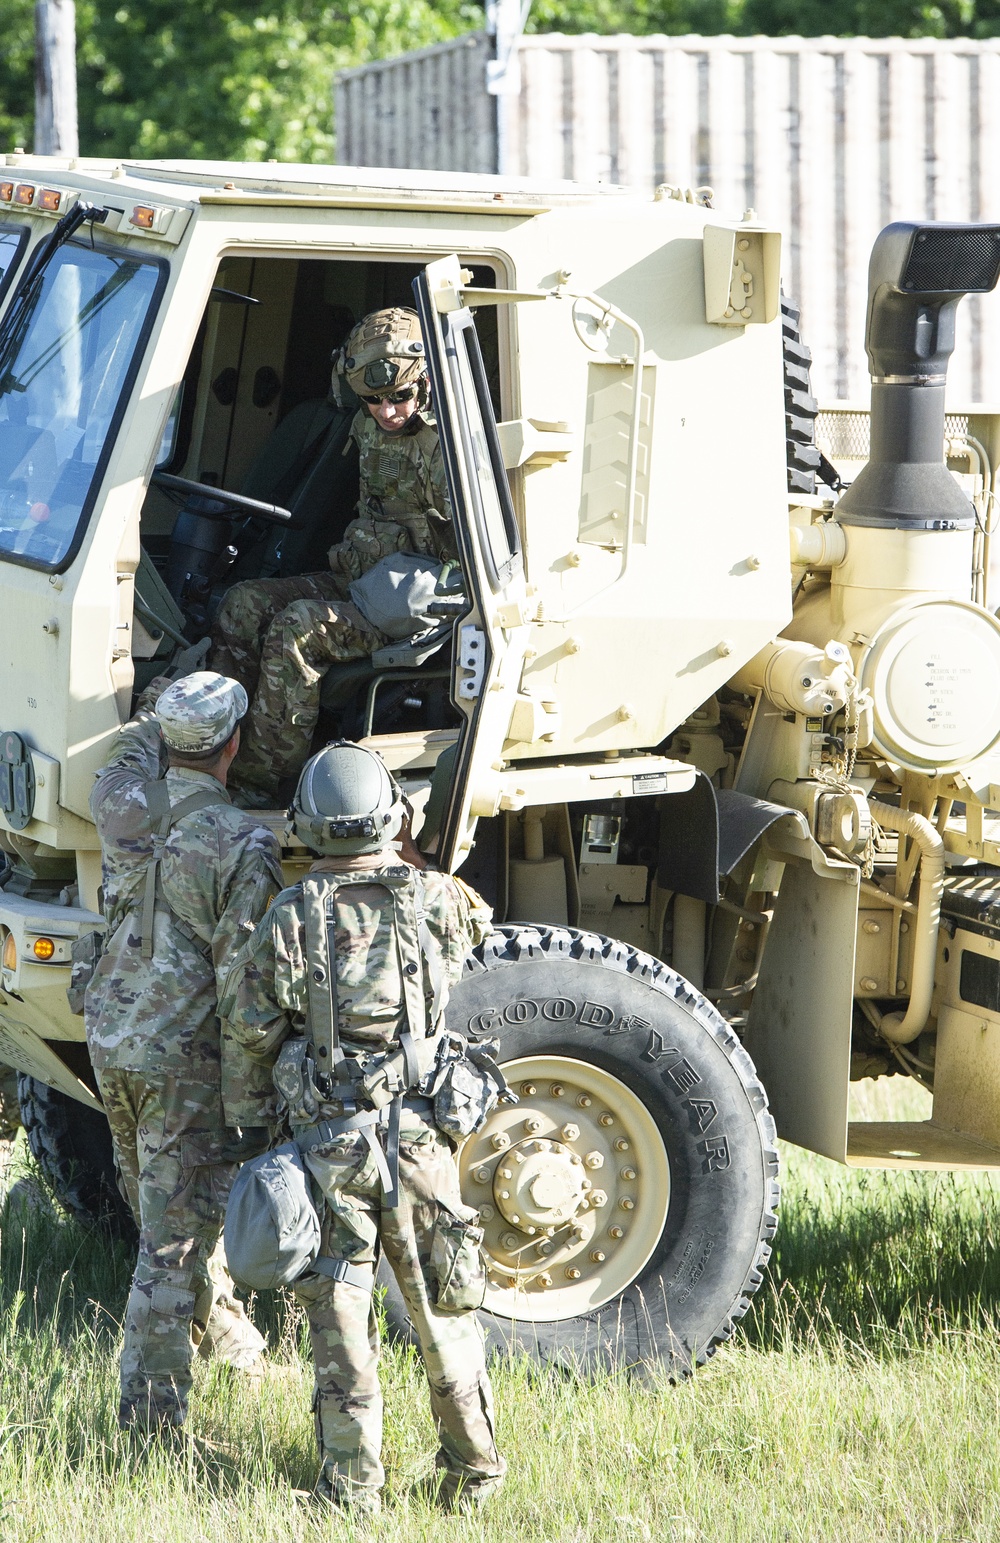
(279, 636)
(186, 878)
(342, 990)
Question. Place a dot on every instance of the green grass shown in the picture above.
(859, 1402)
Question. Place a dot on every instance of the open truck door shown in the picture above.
(491, 637)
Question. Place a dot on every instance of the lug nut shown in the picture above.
(500, 1142)
(616, 1232)
(532, 1124)
(528, 1089)
(628, 1173)
(539, 1146)
(506, 1173)
(597, 1256)
(573, 1273)
(571, 1132)
(557, 1090)
(544, 1248)
(607, 1119)
(515, 1219)
(627, 1204)
(594, 1160)
(585, 1184)
(584, 1101)
(621, 1145)
(519, 1157)
(545, 1279)
(482, 1175)
(505, 1194)
(509, 1240)
(598, 1198)
(486, 1213)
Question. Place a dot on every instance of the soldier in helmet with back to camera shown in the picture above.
(186, 878)
(279, 636)
(342, 991)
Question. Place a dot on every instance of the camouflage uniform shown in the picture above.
(264, 1001)
(10, 1117)
(278, 637)
(167, 1084)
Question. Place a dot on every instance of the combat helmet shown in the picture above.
(346, 802)
(384, 353)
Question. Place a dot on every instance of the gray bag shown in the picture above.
(272, 1232)
(395, 594)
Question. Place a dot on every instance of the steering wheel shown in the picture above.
(237, 502)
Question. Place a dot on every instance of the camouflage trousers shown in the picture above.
(278, 638)
(10, 1108)
(348, 1402)
(10, 1117)
(174, 1154)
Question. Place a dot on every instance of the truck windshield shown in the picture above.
(13, 240)
(63, 378)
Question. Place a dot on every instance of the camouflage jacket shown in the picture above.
(219, 870)
(404, 504)
(265, 998)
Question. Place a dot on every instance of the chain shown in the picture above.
(840, 769)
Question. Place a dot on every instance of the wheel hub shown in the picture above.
(572, 1187)
(540, 1184)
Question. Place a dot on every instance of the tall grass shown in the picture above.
(859, 1402)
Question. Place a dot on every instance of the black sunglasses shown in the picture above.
(405, 394)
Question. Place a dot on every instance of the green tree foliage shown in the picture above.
(191, 78)
(773, 18)
(208, 78)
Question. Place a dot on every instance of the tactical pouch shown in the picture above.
(457, 1262)
(85, 953)
(468, 1086)
(294, 1076)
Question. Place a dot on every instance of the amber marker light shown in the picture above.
(43, 948)
(142, 216)
(9, 952)
(50, 199)
(24, 193)
(6, 192)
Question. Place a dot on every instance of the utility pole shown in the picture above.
(56, 130)
(505, 21)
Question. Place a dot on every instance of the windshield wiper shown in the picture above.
(20, 306)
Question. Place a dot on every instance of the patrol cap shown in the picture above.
(199, 712)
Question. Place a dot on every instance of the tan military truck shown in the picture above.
(721, 756)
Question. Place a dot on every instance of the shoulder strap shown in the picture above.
(321, 974)
(162, 818)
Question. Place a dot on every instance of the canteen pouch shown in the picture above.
(457, 1261)
(85, 953)
(272, 1230)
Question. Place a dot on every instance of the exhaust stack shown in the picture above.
(916, 277)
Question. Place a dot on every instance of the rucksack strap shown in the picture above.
(163, 816)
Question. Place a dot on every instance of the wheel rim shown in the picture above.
(572, 1186)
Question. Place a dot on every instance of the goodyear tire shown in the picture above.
(72, 1146)
(630, 1198)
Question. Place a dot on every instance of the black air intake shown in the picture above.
(916, 278)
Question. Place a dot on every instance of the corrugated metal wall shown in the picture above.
(828, 138)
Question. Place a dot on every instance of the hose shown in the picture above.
(902, 1028)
